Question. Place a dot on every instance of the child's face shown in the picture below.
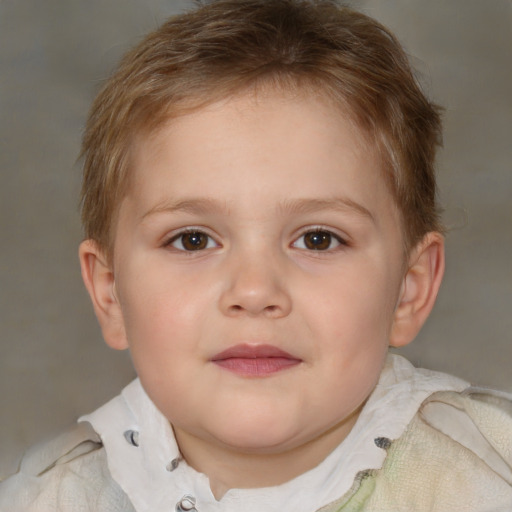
(258, 262)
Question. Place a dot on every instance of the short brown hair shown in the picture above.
(224, 46)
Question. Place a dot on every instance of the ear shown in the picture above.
(419, 290)
(98, 278)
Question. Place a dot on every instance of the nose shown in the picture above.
(256, 287)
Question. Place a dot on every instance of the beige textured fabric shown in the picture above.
(455, 456)
(67, 474)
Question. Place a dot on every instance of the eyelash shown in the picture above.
(327, 237)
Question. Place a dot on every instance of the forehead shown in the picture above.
(296, 120)
(286, 146)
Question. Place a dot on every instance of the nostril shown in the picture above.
(237, 308)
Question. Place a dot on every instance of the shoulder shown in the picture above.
(480, 420)
(456, 454)
(68, 473)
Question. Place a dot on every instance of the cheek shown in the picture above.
(353, 309)
(161, 299)
(166, 321)
(165, 330)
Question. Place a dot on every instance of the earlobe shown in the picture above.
(419, 290)
(98, 278)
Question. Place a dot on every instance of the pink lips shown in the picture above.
(255, 360)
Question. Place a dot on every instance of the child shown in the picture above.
(261, 224)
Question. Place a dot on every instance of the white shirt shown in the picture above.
(144, 458)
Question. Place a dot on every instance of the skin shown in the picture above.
(258, 179)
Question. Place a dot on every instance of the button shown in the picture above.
(132, 437)
(186, 504)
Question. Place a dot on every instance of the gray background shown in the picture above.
(53, 56)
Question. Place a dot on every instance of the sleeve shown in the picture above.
(67, 474)
(455, 455)
(480, 420)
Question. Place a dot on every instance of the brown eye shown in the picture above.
(192, 241)
(318, 240)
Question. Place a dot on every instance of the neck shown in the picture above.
(234, 468)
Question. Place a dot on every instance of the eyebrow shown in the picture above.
(200, 205)
(204, 205)
(342, 204)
